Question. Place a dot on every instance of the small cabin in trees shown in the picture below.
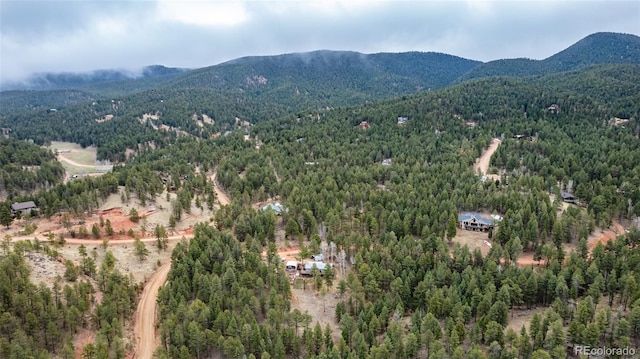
(475, 222)
(402, 120)
(364, 125)
(23, 208)
(568, 198)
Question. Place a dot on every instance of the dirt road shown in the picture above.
(74, 163)
(95, 242)
(222, 197)
(144, 328)
(482, 163)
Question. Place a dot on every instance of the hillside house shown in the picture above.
(23, 208)
(364, 125)
(386, 162)
(568, 198)
(402, 120)
(475, 222)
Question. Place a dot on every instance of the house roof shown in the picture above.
(566, 195)
(468, 216)
(320, 265)
(292, 264)
(276, 207)
(21, 206)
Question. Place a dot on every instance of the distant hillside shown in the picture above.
(329, 78)
(289, 82)
(54, 81)
(255, 88)
(595, 49)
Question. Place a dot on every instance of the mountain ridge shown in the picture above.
(321, 78)
(594, 49)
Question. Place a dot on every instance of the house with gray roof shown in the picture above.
(475, 222)
(23, 208)
(307, 269)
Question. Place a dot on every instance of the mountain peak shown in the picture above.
(595, 49)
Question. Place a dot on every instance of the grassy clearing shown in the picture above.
(74, 152)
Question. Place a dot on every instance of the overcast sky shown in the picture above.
(78, 36)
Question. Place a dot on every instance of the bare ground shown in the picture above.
(482, 163)
(520, 317)
(473, 240)
(75, 159)
(321, 309)
(605, 235)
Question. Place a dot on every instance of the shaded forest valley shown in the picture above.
(378, 191)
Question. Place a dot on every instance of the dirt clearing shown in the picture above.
(473, 240)
(321, 308)
(482, 163)
(605, 235)
(78, 161)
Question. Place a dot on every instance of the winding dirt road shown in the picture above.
(482, 163)
(144, 329)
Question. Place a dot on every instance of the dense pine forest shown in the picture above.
(382, 184)
(25, 167)
(393, 222)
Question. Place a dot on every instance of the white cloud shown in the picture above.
(80, 35)
(203, 13)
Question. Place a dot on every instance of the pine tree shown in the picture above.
(5, 216)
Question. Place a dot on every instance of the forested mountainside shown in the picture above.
(408, 289)
(289, 82)
(252, 89)
(26, 167)
(259, 88)
(349, 77)
(595, 49)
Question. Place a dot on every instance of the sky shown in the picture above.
(80, 36)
